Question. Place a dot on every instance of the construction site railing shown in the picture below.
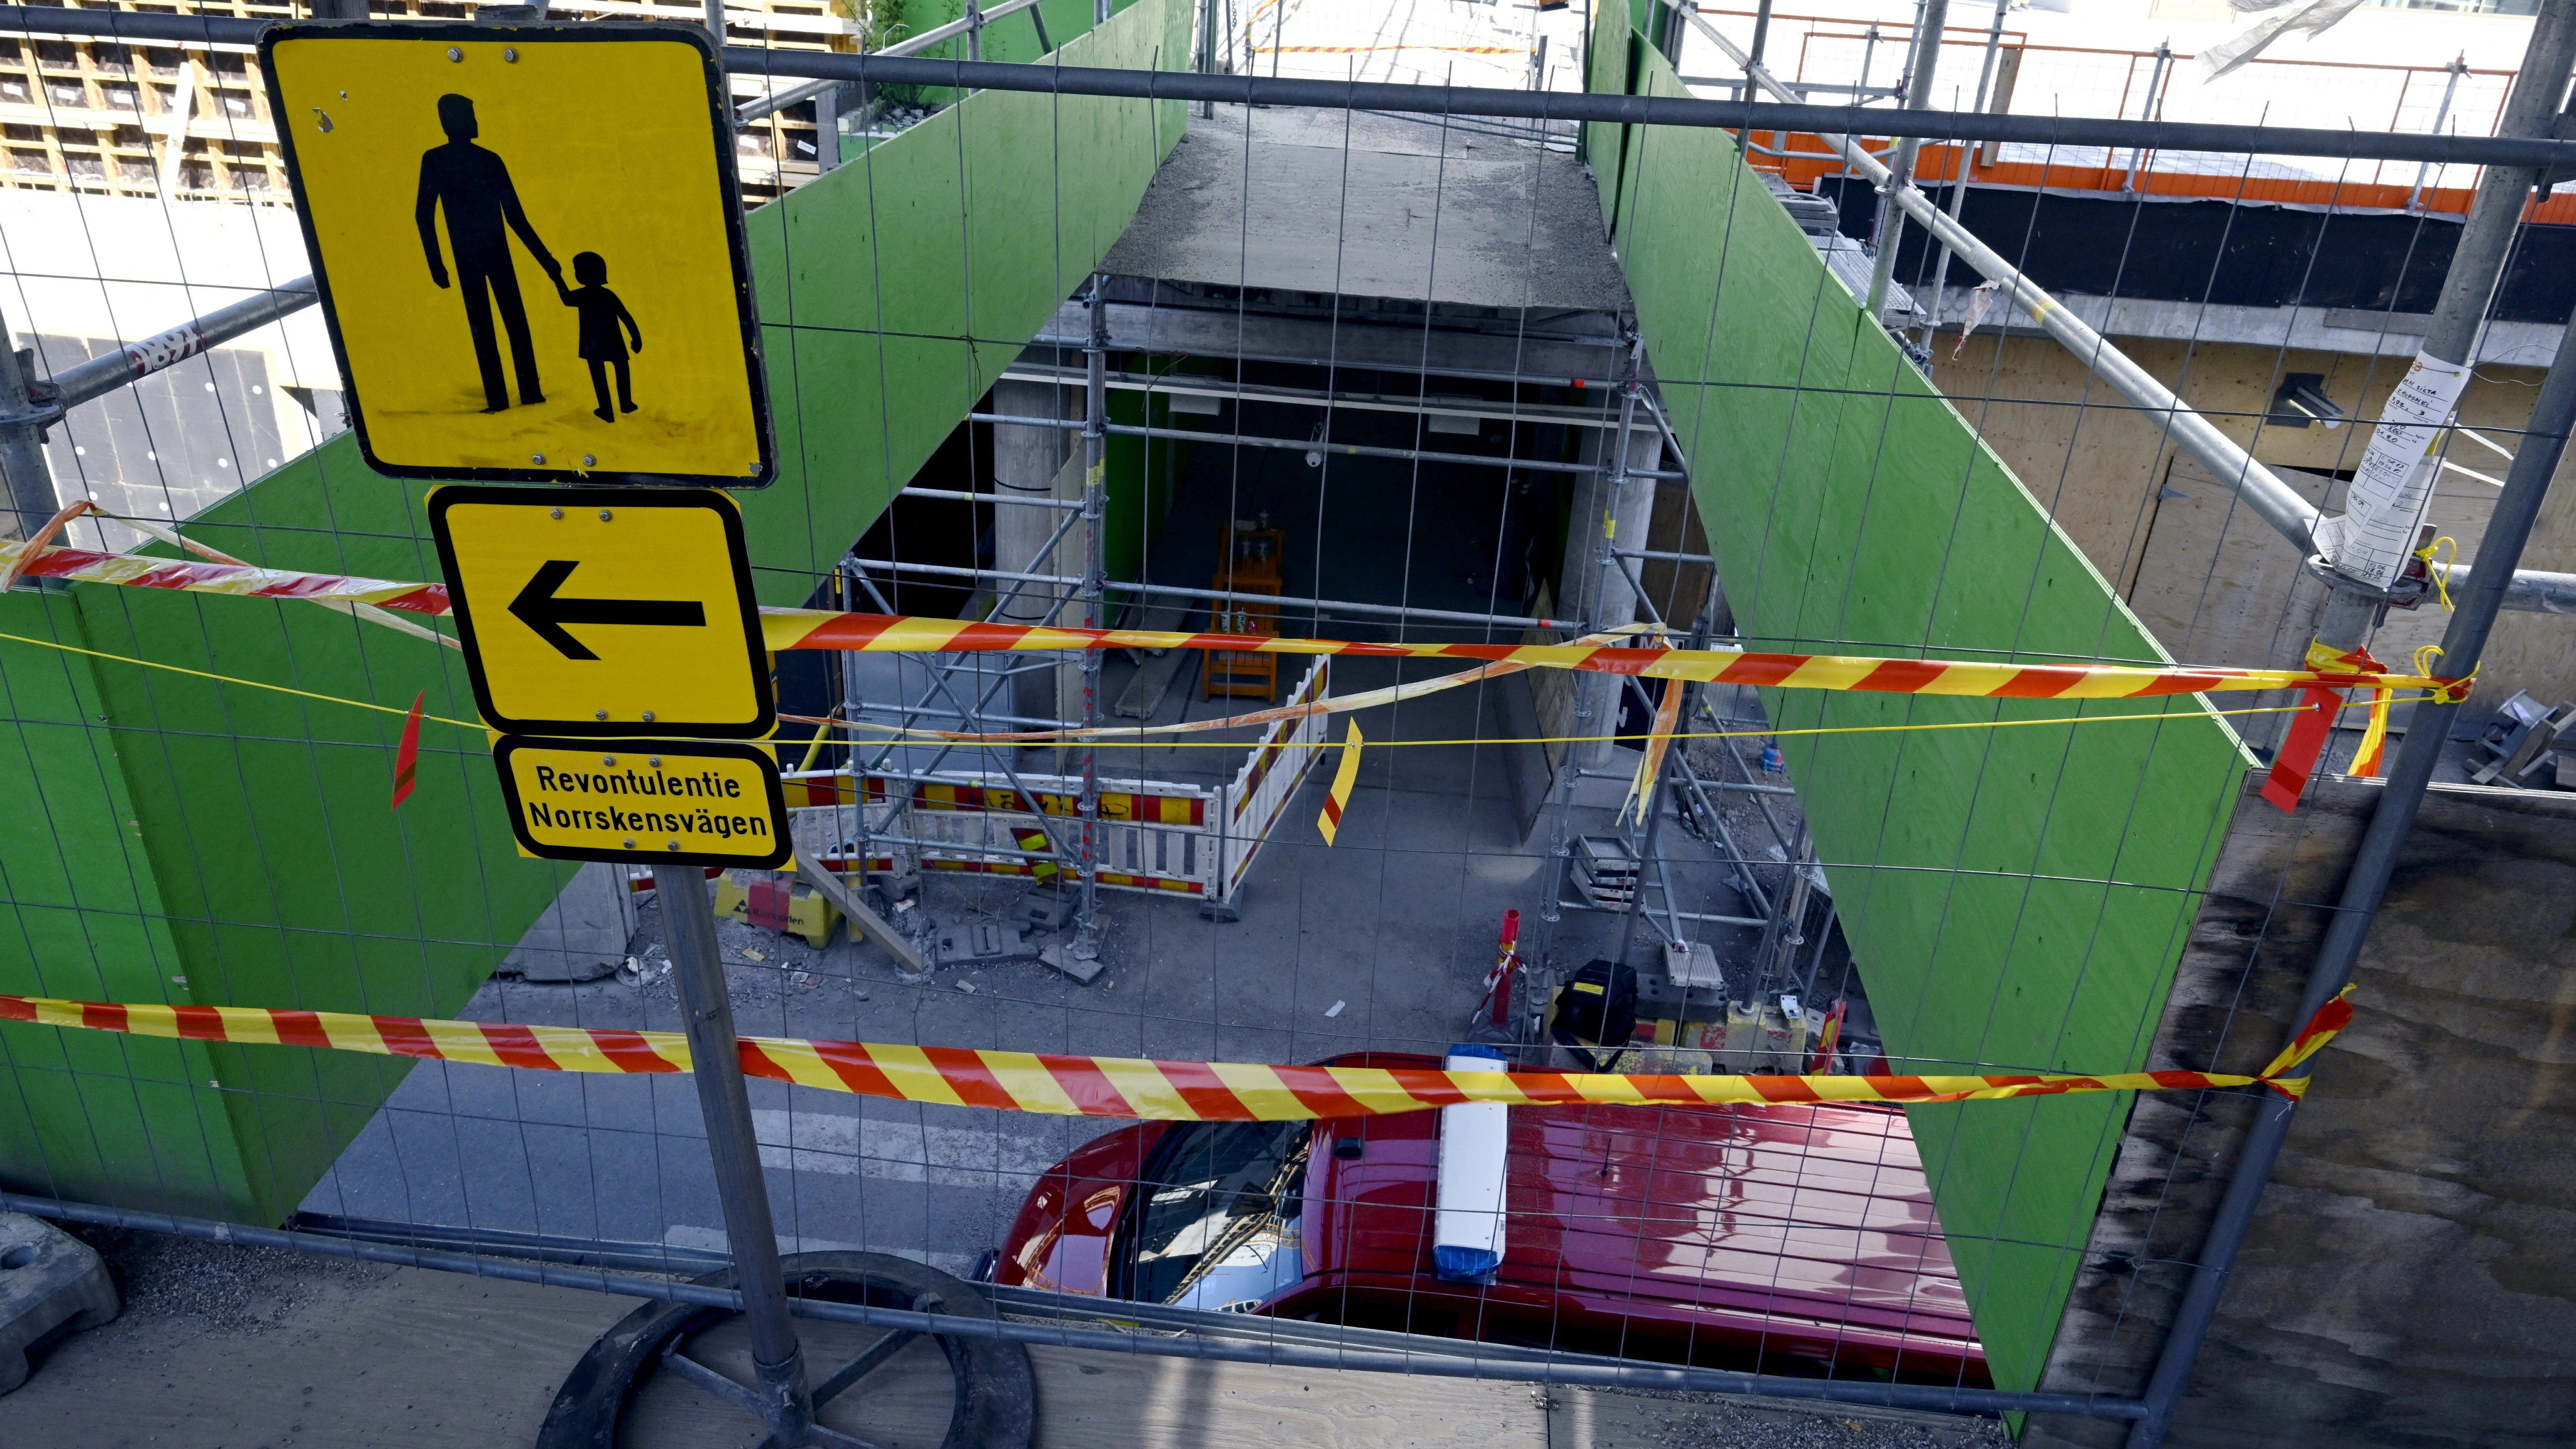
(2264, 492)
(1524, 105)
(1351, 1349)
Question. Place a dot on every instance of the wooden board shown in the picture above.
(1612, 1419)
(2218, 586)
(1551, 690)
(1677, 590)
(1095, 1400)
(2407, 1278)
(1155, 668)
(2243, 966)
(320, 1353)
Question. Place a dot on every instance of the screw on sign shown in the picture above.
(497, 229)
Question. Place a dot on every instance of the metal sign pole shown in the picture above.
(689, 925)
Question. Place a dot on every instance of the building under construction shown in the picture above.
(1964, 348)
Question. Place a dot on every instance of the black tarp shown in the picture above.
(2225, 253)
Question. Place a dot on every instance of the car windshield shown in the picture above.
(1216, 1225)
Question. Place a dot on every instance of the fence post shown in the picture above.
(689, 926)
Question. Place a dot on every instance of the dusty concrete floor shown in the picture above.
(1370, 206)
(1379, 942)
(224, 1347)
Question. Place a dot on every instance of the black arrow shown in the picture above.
(539, 609)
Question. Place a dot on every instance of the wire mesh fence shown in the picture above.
(1394, 380)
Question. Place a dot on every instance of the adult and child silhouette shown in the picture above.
(472, 186)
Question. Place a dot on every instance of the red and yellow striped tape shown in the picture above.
(900, 634)
(1338, 799)
(88, 566)
(1072, 1086)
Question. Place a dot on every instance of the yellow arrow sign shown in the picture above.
(670, 801)
(605, 611)
(529, 248)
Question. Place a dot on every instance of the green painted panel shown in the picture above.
(286, 876)
(2014, 896)
(1606, 71)
(1015, 38)
(893, 292)
(87, 1114)
(1140, 473)
(264, 863)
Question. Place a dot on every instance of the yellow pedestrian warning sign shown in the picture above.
(605, 611)
(672, 801)
(529, 248)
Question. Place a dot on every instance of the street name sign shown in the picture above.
(529, 246)
(605, 612)
(678, 802)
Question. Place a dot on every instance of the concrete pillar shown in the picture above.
(1596, 587)
(1035, 463)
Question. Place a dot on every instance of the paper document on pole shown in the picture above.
(2372, 539)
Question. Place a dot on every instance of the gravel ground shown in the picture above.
(221, 1288)
(1702, 1421)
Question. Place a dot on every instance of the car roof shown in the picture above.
(1796, 1213)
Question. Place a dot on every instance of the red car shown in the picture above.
(1793, 1238)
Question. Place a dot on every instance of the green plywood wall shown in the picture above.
(83, 1114)
(1847, 501)
(1015, 37)
(171, 838)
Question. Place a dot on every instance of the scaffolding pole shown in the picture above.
(1184, 591)
(940, 670)
(1095, 511)
(1318, 445)
(29, 405)
(1424, 404)
(1207, 52)
(1958, 198)
(1593, 696)
(1899, 177)
(2441, 116)
(2354, 606)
